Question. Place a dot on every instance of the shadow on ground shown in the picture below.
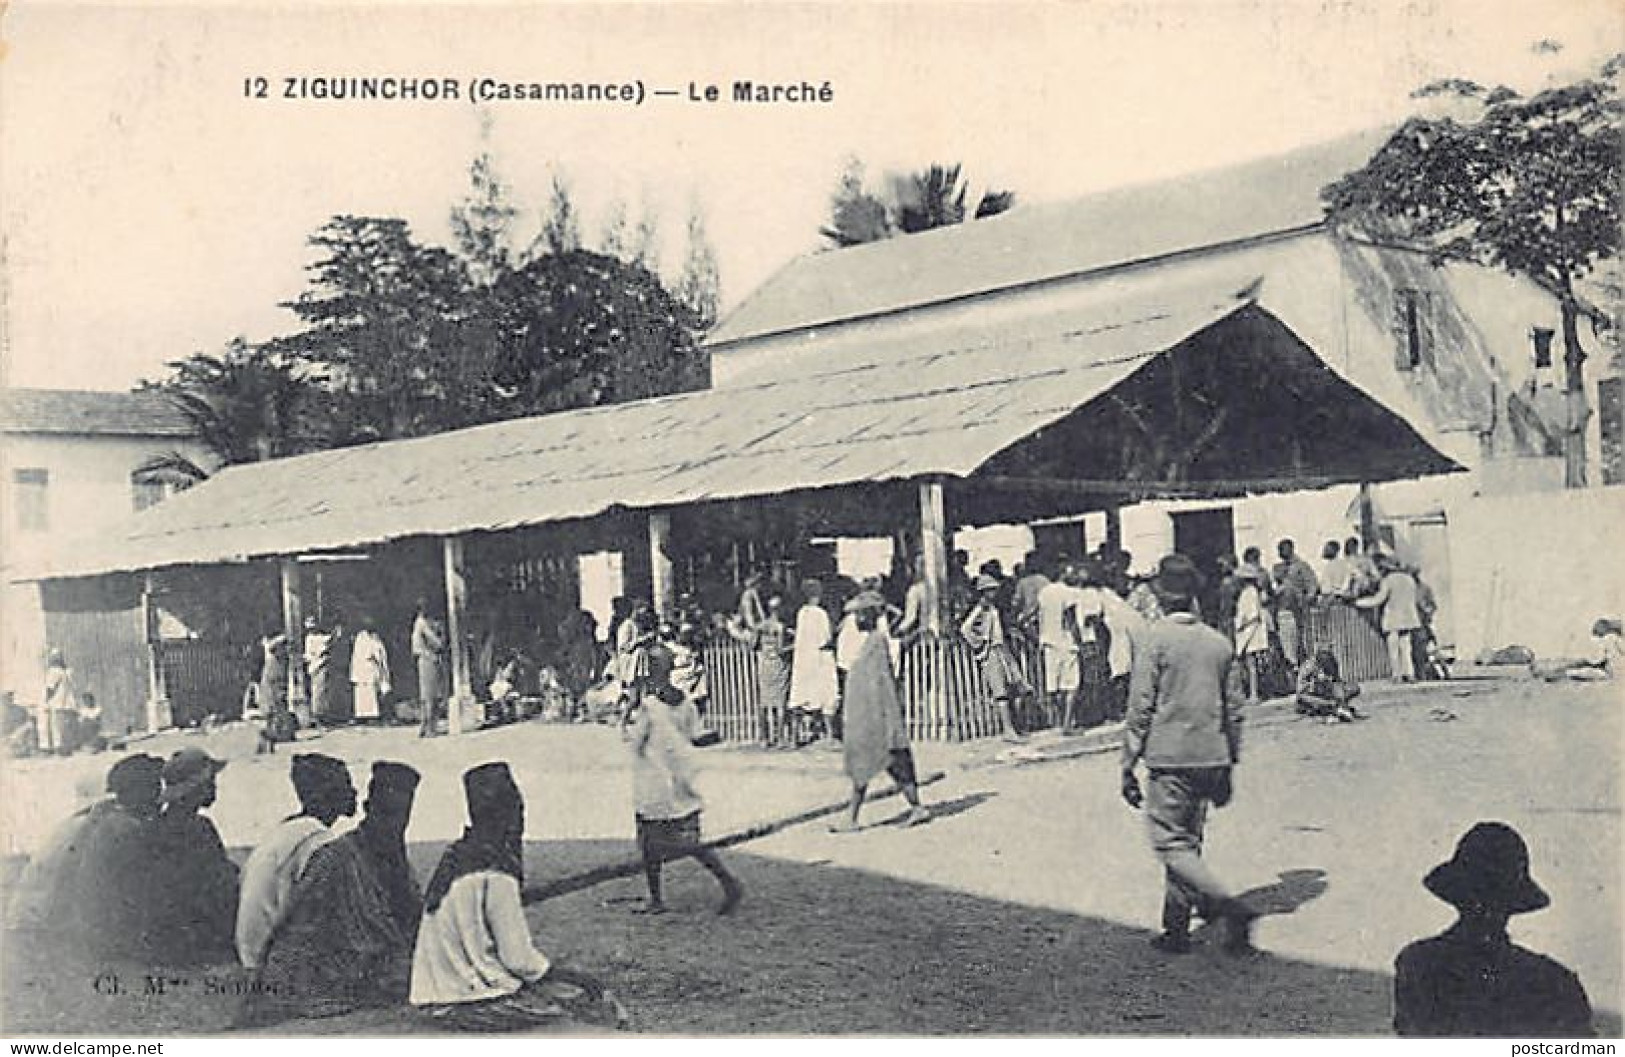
(814, 949)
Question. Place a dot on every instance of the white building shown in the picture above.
(1465, 354)
(72, 462)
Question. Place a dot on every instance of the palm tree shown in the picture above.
(933, 197)
(247, 404)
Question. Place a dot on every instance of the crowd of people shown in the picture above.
(324, 923)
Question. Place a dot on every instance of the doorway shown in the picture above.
(1205, 536)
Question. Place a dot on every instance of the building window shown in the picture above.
(1611, 419)
(145, 491)
(1412, 328)
(1542, 338)
(29, 489)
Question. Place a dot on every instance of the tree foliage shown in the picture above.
(580, 329)
(933, 197)
(699, 286)
(247, 404)
(400, 338)
(482, 224)
(1530, 185)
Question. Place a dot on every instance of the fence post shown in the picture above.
(159, 714)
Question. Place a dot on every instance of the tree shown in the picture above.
(1531, 185)
(612, 241)
(390, 323)
(644, 249)
(561, 230)
(699, 286)
(247, 404)
(580, 329)
(856, 215)
(481, 224)
(933, 197)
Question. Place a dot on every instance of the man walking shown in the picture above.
(1183, 722)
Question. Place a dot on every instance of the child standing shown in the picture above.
(660, 730)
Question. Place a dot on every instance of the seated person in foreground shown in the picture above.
(1322, 691)
(1471, 980)
(194, 912)
(475, 967)
(346, 940)
(77, 889)
(322, 784)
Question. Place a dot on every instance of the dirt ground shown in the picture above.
(1026, 904)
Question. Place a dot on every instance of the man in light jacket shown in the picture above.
(1184, 723)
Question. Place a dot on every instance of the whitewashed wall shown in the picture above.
(1536, 570)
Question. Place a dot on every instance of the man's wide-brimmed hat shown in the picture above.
(1489, 871)
(187, 771)
(984, 582)
(1176, 577)
(865, 600)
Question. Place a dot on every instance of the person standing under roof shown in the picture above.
(429, 652)
(983, 631)
(369, 672)
(813, 690)
(1296, 588)
(1396, 597)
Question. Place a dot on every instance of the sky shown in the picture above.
(151, 210)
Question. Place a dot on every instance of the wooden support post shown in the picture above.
(159, 715)
(293, 630)
(662, 584)
(934, 549)
(1368, 519)
(462, 684)
(1114, 529)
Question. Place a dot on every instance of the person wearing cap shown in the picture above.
(75, 890)
(325, 794)
(475, 966)
(195, 906)
(983, 630)
(876, 738)
(1471, 980)
(813, 691)
(1060, 642)
(345, 941)
(1184, 725)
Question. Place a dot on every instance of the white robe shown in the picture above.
(812, 665)
(369, 672)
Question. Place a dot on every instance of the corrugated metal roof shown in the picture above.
(924, 410)
(1034, 243)
(86, 412)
